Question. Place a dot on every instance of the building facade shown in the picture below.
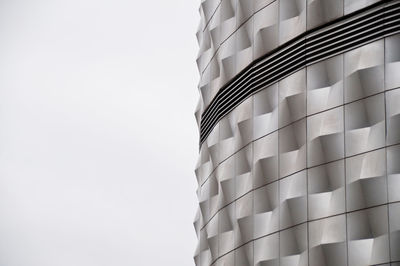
(299, 120)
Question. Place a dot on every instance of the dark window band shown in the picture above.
(346, 33)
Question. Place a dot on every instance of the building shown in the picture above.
(299, 119)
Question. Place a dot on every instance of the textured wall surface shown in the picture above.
(305, 171)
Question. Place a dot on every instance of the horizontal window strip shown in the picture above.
(346, 33)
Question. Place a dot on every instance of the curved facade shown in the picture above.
(299, 120)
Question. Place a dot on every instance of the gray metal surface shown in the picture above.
(306, 171)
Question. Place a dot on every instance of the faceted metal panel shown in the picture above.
(366, 180)
(266, 210)
(244, 44)
(293, 199)
(327, 240)
(226, 230)
(245, 219)
(209, 198)
(304, 170)
(325, 85)
(292, 19)
(266, 250)
(236, 129)
(204, 256)
(392, 62)
(223, 65)
(292, 98)
(228, 10)
(265, 111)
(325, 137)
(364, 71)
(205, 88)
(323, 11)
(368, 237)
(209, 156)
(393, 116)
(365, 125)
(245, 10)
(243, 165)
(244, 255)
(225, 175)
(326, 190)
(211, 230)
(265, 168)
(292, 148)
(294, 246)
(266, 28)
(394, 224)
(393, 172)
(208, 8)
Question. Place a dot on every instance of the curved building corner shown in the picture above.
(299, 120)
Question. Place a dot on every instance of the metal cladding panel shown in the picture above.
(299, 117)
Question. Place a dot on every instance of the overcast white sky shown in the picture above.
(98, 140)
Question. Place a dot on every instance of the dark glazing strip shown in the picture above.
(337, 37)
